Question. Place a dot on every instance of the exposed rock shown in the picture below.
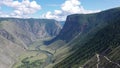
(17, 34)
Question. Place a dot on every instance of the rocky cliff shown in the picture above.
(17, 34)
(29, 30)
(91, 34)
(80, 24)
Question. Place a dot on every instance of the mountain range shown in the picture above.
(84, 41)
(87, 37)
(17, 34)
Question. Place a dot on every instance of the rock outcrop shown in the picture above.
(17, 34)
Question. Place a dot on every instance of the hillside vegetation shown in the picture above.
(102, 39)
(18, 37)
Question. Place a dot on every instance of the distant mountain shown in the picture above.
(62, 23)
(17, 34)
(85, 41)
(92, 41)
(30, 29)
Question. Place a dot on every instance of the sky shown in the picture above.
(53, 9)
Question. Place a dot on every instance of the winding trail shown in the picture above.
(98, 60)
(111, 61)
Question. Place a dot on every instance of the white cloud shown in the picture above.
(67, 8)
(3, 14)
(21, 9)
(53, 5)
(72, 6)
(57, 14)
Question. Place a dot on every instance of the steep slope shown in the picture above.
(9, 52)
(102, 38)
(29, 30)
(81, 24)
(62, 23)
(78, 24)
(17, 34)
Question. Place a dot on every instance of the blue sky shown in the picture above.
(53, 9)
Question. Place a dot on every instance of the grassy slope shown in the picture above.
(113, 56)
(105, 38)
(80, 28)
(30, 56)
(10, 47)
(9, 52)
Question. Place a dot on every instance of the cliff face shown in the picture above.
(29, 30)
(80, 24)
(74, 25)
(96, 33)
(17, 34)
